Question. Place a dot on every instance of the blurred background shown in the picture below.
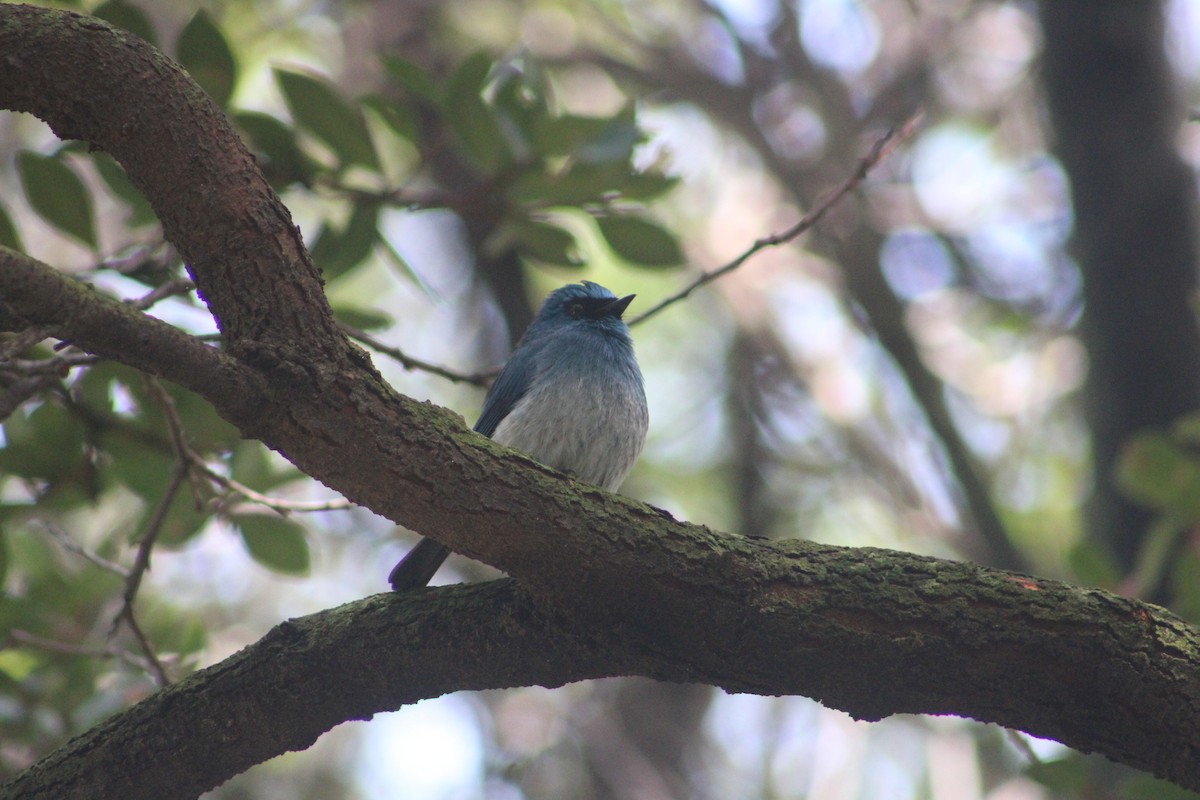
(987, 351)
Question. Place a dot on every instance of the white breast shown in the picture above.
(589, 421)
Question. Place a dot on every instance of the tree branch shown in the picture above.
(870, 632)
(73, 311)
(91, 81)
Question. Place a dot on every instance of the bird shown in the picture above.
(571, 395)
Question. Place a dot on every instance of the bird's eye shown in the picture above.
(575, 310)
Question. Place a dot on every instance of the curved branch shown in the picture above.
(91, 81)
(873, 633)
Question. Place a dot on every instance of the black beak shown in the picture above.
(614, 308)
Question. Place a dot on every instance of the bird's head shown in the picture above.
(584, 303)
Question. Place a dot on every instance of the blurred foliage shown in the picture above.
(616, 142)
(1161, 469)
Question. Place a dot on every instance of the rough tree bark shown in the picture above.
(607, 586)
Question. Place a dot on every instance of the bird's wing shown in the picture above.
(510, 386)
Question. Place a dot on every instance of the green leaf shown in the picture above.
(118, 182)
(57, 194)
(590, 140)
(470, 117)
(180, 636)
(206, 55)
(1065, 775)
(547, 242)
(94, 389)
(335, 252)
(400, 118)
(250, 465)
(647, 185)
(1092, 566)
(1185, 589)
(365, 319)
(1147, 787)
(17, 664)
(317, 107)
(410, 77)
(276, 543)
(183, 519)
(1186, 429)
(46, 443)
(8, 232)
(1155, 555)
(128, 16)
(1156, 472)
(520, 109)
(276, 141)
(143, 469)
(640, 241)
(579, 185)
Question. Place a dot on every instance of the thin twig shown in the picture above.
(879, 151)
(22, 341)
(141, 563)
(155, 663)
(282, 506)
(57, 365)
(410, 363)
(197, 469)
(178, 286)
(179, 443)
(25, 639)
(64, 539)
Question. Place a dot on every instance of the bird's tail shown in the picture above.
(416, 569)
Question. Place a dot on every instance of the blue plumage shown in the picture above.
(571, 396)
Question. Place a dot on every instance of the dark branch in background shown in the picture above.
(1116, 118)
(882, 148)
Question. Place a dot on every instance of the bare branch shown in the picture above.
(20, 638)
(168, 289)
(141, 563)
(882, 148)
(64, 539)
(410, 363)
(284, 507)
(183, 453)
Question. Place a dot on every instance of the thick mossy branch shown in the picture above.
(874, 633)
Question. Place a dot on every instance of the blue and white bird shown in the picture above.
(571, 396)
